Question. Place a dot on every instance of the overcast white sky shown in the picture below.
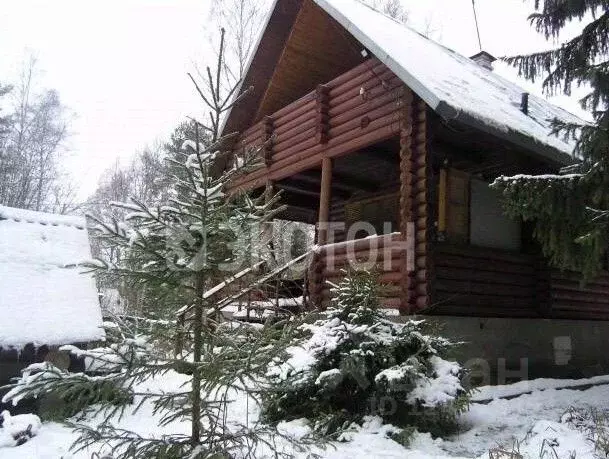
(120, 65)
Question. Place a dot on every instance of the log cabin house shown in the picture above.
(366, 124)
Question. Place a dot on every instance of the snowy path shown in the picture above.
(522, 423)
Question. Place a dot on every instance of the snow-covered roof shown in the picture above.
(453, 85)
(44, 296)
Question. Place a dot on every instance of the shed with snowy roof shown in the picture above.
(387, 141)
(45, 298)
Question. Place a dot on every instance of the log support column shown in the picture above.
(316, 264)
(315, 281)
(414, 212)
(324, 201)
(421, 210)
(267, 227)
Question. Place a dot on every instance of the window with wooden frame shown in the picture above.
(469, 212)
(453, 206)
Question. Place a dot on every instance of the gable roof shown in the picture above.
(454, 86)
(44, 297)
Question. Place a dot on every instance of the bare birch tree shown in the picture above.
(242, 21)
(32, 147)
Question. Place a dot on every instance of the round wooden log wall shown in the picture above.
(414, 197)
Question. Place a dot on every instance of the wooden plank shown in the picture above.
(309, 107)
(481, 288)
(366, 83)
(294, 151)
(349, 262)
(357, 105)
(251, 131)
(461, 262)
(357, 77)
(445, 309)
(391, 303)
(300, 125)
(340, 82)
(485, 254)
(362, 122)
(387, 277)
(476, 275)
(379, 129)
(579, 307)
(289, 109)
(387, 251)
(575, 278)
(568, 286)
(298, 163)
(364, 257)
(489, 302)
(361, 244)
(299, 138)
(306, 160)
(579, 297)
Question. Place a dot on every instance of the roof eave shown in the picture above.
(422, 91)
(442, 108)
(545, 151)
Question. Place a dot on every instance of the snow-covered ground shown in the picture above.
(529, 423)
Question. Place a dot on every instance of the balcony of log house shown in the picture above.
(335, 153)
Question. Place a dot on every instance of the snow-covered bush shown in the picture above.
(351, 361)
(16, 430)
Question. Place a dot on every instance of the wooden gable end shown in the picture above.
(317, 50)
(301, 48)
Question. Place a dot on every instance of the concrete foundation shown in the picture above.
(504, 350)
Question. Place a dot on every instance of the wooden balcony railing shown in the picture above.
(358, 108)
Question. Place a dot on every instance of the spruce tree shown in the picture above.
(181, 251)
(571, 208)
(351, 361)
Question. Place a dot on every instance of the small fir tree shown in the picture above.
(179, 251)
(571, 209)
